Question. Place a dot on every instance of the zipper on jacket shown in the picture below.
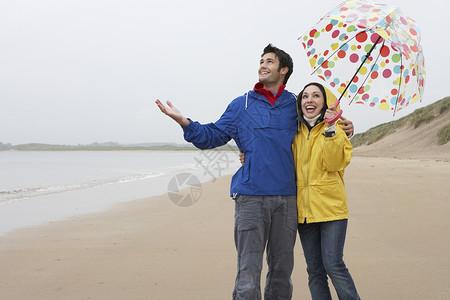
(306, 177)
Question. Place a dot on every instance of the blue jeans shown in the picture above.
(323, 246)
(265, 223)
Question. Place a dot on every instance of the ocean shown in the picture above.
(47, 186)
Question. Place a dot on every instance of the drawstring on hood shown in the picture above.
(246, 100)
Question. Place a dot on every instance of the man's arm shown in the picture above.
(205, 136)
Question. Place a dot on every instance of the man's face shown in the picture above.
(268, 69)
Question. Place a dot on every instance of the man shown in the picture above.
(263, 123)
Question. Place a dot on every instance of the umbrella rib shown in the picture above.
(367, 30)
(400, 82)
(368, 74)
(365, 58)
(329, 56)
(420, 74)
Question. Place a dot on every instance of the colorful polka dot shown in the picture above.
(387, 73)
(367, 47)
(363, 70)
(384, 52)
(361, 37)
(374, 37)
(365, 97)
(351, 28)
(394, 100)
(354, 58)
(396, 58)
(335, 34)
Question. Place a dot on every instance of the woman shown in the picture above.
(321, 153)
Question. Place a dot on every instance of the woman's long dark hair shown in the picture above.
(299, 104)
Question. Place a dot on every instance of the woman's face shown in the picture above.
(312, 101)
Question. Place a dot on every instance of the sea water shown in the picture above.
(39, 187)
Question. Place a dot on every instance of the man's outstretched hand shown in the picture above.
(172, 112)
(348, 126)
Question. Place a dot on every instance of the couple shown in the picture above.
(282, 157)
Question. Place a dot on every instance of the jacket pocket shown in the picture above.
(328, 199)
(324, 182)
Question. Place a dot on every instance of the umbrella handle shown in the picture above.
(339, 114)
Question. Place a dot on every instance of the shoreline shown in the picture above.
(150, 248)
(53, 200)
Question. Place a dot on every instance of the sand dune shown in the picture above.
(409, 143)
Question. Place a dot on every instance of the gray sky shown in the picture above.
(83, 71)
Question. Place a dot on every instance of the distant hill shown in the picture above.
(425, 133)
(422, 134)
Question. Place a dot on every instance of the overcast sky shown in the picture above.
(83, 71)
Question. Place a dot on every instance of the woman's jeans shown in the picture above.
(323, 246)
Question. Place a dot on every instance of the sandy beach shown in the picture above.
(397, 243)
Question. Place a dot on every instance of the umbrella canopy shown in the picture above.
(369, 53)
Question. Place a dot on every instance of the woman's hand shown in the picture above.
(242, 157)
(330, 113)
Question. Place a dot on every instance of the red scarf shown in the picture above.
(259, 88)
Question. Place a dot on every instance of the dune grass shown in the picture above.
(416, 119)
(444, 134)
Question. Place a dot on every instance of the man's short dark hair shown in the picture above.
(284, 58)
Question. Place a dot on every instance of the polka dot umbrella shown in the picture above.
(368, 53)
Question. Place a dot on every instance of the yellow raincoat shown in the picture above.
(319, 165)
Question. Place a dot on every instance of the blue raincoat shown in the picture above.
(264, 133)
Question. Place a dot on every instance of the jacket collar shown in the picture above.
(259, 88)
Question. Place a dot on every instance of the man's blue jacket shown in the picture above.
(264, 133)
